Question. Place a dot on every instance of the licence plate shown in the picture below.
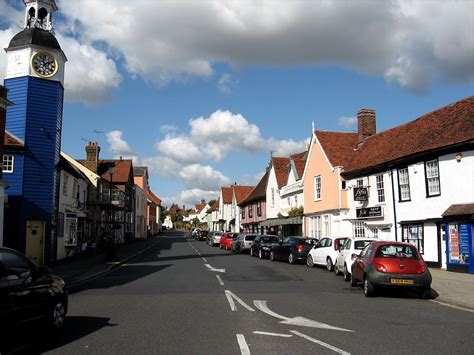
(402, 281)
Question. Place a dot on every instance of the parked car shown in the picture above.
(292, 249)
(29, 292)
(227, 239)
(243, 243)
(216, 239)
(325, 252)
(202, 235)
(195, 232)
(348, 253)
(262, 244)
(209, 237)
(390, 264)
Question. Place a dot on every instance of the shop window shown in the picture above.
(413, 234)
(403, 185)
(432, 178)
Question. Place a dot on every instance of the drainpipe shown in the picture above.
(394, 207)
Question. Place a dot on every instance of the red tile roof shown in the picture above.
(226, 195)
(338, 146)
(214, 207)
(10, 141)
(153, 198)
(241, 192)
(280, 165)
(259, 192)
(122, 171)
(299, 160)
(447, 126)
(199, 207)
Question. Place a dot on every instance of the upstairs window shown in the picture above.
(273, 197)
(360, 182)
(317, 188)
(65, 182)
(250, 211)
(380, 188)
(259, 208)
(432, 178)
(403, 185)
(242, 213)
(8, 163)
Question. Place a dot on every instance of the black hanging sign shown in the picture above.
(370, 212)
(361, 193)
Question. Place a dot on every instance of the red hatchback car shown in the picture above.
(227, 239)
(390, 264)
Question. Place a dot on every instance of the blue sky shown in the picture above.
(201, 92)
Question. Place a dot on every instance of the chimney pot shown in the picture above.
(92, 156)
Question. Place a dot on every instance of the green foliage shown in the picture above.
(296, 212)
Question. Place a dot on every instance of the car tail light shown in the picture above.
(300, 248)
(380, 268)
(421, 268)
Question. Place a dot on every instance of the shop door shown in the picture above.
(35, 241)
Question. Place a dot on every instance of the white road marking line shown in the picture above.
(244, 348)
(213, 269)
(204, 259)
(299, 321)
(273, 334)
(230, 296)
(453, 306)
(333, 348)
(220, 280)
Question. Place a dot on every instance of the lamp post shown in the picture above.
(111, 245)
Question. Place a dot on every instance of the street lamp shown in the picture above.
(111, 245)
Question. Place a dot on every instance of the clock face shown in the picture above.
(44, 64)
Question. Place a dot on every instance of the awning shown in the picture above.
(282, 221)
(459, 210)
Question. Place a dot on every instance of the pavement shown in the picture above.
(449, 288)
(84, 267)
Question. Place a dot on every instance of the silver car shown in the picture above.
(216, 238)
(243, 243)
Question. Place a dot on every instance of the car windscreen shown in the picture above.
(218, 234)
(360, 244)
(307, 241)
(269, 239)
(250, 237)
(396, 251)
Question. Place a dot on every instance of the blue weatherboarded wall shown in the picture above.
(36, 118)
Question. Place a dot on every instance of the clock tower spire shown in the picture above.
(35, 81)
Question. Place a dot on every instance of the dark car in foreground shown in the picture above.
(292, 249)
(29, 292)
(262, 244)
(391, 265)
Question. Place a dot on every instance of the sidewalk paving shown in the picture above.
(82, 267)
(452, 288)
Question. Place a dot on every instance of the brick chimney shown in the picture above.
(366, 124)
(3, 116)
(92, 156)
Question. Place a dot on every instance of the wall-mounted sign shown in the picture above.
(361, 193)
(371, 212)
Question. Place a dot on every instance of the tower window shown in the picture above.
(8, 163)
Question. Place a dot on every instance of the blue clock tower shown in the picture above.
(35, 82)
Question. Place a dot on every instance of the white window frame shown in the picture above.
(296, 200)
(360, 182)
(317, 188)
(8, 162)
(380, 188)
(358, 229)
(315, 226)
(433, 187)
(273, 196)
(327, 230)
(404, 185)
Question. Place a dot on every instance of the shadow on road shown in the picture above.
(35, 338)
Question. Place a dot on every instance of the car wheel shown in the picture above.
(57, 315)
(329, 264)
(260, 254)
(353, 280)
(336, 270)
(347, 276)
(369, 289)
(309, 261)
(291, 259)
(272, 256)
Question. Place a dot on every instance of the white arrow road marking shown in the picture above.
(213, 269)
(300, 321)
(333, 348)
(244, 348)
(220, 280)
(273, 334)
(230, 297)
(204, 259)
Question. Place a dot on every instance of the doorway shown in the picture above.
(35, 241)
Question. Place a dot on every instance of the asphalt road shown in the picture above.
(187, 297)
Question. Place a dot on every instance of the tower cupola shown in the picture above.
(39, 14)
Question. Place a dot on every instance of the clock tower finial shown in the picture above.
(39, 14)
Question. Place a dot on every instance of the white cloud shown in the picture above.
(410, 42)
(227, 84)
(348, 122)
(190, 197)
(180, 148)
(168, 128)
(203, 177)
(118, 145)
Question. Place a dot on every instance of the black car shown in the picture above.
(262, 244)
(292, 249)
(29, 292)
(202, 235)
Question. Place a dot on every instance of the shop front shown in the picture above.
(459, 234)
